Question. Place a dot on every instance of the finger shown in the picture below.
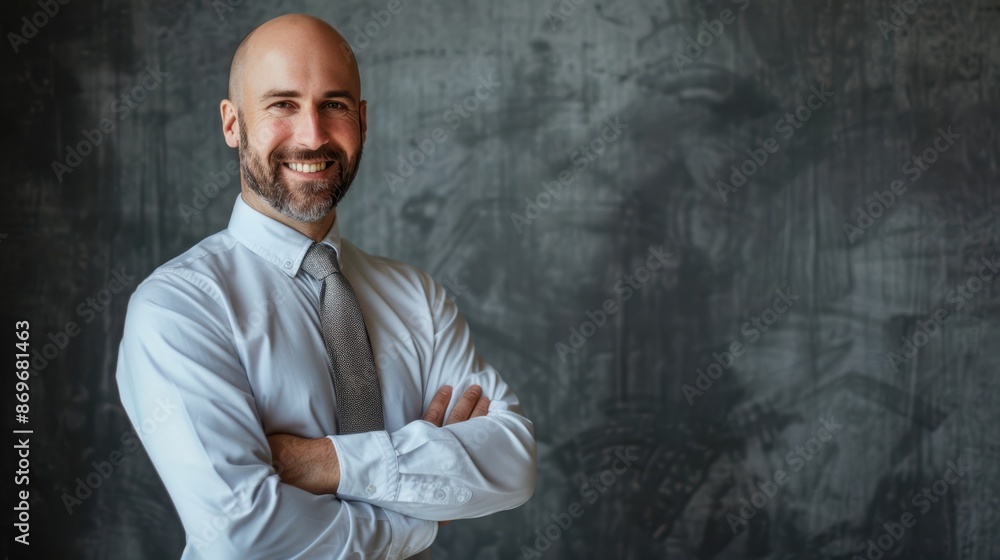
(435, 412)
(482, 407)
(465, 405)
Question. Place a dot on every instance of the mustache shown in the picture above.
(325, 153)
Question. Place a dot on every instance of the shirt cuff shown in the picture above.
(410, 536)
(369, 469)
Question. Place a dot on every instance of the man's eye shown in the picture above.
(334, 105)
(282, 105)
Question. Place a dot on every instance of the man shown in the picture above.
(294, 392)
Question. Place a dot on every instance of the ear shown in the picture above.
(230, 124)
(363, 110)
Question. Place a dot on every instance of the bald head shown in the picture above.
(296, 116)
(291, 36)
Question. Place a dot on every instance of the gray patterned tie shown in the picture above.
(355, 380)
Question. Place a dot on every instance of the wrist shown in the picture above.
(331, 464)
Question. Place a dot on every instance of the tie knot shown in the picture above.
(321, 261)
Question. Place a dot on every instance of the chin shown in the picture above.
(309, 212)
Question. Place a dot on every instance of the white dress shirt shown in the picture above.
(222, 347)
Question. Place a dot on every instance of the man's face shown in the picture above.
(277, 175)
(301, 130)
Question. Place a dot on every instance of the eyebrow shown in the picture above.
(331, 94)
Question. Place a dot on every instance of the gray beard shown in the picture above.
(269, 186)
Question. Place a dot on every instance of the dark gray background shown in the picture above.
(522, 291)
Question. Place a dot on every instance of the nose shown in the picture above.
(309, 131)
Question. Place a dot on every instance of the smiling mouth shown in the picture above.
(307, 167)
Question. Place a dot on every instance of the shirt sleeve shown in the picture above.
(463, 470)
(188, 396)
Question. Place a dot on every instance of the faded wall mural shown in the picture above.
(735, 257)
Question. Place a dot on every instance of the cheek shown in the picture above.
(267, 137)
(347, 134)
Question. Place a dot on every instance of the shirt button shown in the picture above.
(371, 489)
(287, 264)
(406, 552)
(463, 495)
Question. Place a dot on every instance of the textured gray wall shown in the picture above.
(707, 446)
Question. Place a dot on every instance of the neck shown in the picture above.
(313, 230)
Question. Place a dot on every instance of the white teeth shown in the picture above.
(307, 167)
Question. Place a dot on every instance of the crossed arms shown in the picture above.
(391, 489)
(311, 463)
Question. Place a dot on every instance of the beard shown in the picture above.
(307, 201)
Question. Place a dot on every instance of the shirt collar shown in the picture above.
(272, 240)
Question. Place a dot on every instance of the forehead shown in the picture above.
(310, 68)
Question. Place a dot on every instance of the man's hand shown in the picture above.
(312, 465)
(309, 464)
(472, 404)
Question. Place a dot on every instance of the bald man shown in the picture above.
(224, 371)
